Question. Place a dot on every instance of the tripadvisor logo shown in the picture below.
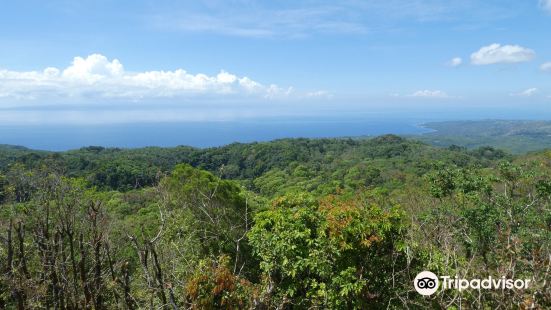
(427, 283)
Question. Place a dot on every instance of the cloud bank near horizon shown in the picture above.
(97, 77)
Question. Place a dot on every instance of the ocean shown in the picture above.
(197, 134)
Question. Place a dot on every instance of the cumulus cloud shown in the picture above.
(457, 61)
(546, 67)
(497, 53)
(96, 76)
(92, 68)
(526, 93)
(546, 5)
(430, 94)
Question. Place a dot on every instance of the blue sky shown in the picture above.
(123, 61)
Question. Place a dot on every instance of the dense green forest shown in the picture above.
(287, 224)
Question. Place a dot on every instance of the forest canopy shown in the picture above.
(293, 223)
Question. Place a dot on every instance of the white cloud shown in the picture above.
(455, 62)
(546, 67)
(546, 5)
(497, 53)
(96, 77)
(527, 93)
(92, 69)
(430, 94)
(322, 94)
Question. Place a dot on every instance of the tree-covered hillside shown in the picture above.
(515, 136)
(288, 224)
(348, 162)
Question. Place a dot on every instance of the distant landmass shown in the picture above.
(515, 136)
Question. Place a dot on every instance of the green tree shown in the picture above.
(330, 253)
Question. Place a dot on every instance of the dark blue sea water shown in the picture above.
(56, 127)
(197, 134)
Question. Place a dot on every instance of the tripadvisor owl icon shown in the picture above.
(426, 283)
